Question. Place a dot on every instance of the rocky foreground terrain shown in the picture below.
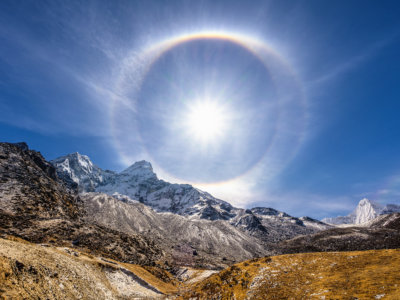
(65, 234)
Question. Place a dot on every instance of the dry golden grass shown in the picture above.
(371, 274)
(30, 271)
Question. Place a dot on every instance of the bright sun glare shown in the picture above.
(207, 121)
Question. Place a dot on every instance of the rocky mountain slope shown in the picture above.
(209, 244)
(191, 242)
(35, 205)
(365, 211)
(29, 187)
(339, 275)
(139, 182)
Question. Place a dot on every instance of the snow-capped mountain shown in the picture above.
(365, 211)
(139, 182)
(79, 169)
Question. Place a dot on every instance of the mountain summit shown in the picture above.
(365, 211)
(142, 170)
(79, 169)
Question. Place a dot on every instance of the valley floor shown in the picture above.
(31, 271)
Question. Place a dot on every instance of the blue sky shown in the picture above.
(307, 123)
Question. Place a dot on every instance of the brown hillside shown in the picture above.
(370, 274)
(30, 271)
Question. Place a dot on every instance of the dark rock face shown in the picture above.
(37, 206)
(22, 145)
(252, 224)
(29, 186)
(210, 213)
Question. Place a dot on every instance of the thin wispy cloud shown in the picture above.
(353, 62)
(95, 88)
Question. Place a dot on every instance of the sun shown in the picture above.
(207, 121)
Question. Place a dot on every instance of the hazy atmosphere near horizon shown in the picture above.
(286, 104)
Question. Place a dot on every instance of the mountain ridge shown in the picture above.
(139, 182)
(142, 169)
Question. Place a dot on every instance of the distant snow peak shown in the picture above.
(140, 165)
(364, 201)
(365, 211)
(368, 203)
